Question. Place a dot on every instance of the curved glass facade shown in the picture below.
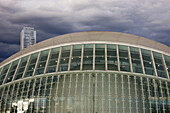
(87, 78)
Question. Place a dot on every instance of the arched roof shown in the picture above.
(88, 36)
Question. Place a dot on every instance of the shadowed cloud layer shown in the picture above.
(146, 18)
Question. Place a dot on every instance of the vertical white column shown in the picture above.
(82, 52)
(59, 56)
(69, 106)
(166, 69)
(141, 59)
(63, 88)
(23, 87)
(6, 96)
(38, 96)
(82, 94)
(110, 96)
(16, 69)
(11, 99)
(16, 95)
(69, 63)
(116, 94)
(89, 93)
(118, 62)
(47, 61)
(136, 95)
(96, 96)
(56, 94)
(32, 96)
(149, 94)
(123, 95)
(130, 98)
(156, 74)
(1, 98)
(49, 101)
(44, 97)
(7, 73)
(75, 94)
(162, 95)
(156, 97)
(130, 60)
(143, 95)
(103, 93)
(36, 63)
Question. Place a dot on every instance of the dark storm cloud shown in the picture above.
(147, 18)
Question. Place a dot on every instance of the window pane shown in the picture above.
(3, 74)
(167, 61)
(136, 62)
(65, 54)
(112, 57)
(100, 57)
(147, 61)
(88, 57)
(124, 58)
(159, 65)
(76, 57)
(42, 62)
(31, 65)
(53, 60)
(12, 71)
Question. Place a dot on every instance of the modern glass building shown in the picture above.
(87, 72)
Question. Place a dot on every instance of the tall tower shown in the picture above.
(27, 37)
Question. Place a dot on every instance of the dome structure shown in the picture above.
(87, 72)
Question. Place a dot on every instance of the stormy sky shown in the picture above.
(146, 18)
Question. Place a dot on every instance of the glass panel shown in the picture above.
(147, 61)
(42, 62)
(21, 68)
(65, 54)
(76, 57)
(88, 57)
(100, 57)
(136, 62)
(124, 58)
(167, 60)
(31, 65)
(3, 74)
(112, 57)
(159, 65)
(12, 71)
(52, 63)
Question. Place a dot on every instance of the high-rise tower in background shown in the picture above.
(28, 37)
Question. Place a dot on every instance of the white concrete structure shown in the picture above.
(27, 37)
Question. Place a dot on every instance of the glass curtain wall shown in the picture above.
(53, 61)
(99, 56)
(88, 57)
(76, 57)
(124, 58)
(3, 73)
(167, 61)
(112, 57)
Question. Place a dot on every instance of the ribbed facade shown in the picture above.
(87, 77)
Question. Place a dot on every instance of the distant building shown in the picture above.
(27, 37)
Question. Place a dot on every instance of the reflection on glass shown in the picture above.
(31, 65)
(88, 57)
(42, 62)
(100, 57)
(52, 63)
(64, 60)
(167, 61)
(76, 57)
(21, 68)
(136, 62)
(11, 71)
(124, 58)
(147, 61)
(112, 57)
(3, 73)
(159, 65)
